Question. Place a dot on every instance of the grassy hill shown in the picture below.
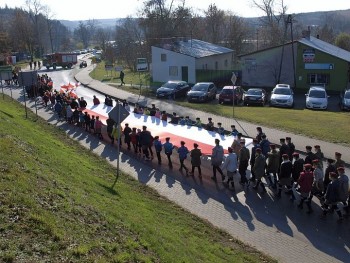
(56, 205)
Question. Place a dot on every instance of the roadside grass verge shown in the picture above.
(56, 205)
(323, 125)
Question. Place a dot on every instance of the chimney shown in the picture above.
(306, 33)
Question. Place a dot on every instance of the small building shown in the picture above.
(185, 59)
(316, 63)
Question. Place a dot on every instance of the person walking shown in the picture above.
(330, 168)
(272, 165)
(168, 149)
(195, 155)
(127, 138)
(243, 158)
(230, 165)
(110, 123)
(259, 169)
(121, 76)
(305, 181)
(183, 151)
(145, 141)
(158, 147)
(344, 188)
(256, 145)
(332, 197)
(217, 157)
(285, 175)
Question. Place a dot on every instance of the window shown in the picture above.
(162, 57)
(318, 78)
(216, 65)
(173, 71)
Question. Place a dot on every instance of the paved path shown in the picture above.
(277, 228)
(249, 128)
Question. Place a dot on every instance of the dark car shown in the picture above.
(202, 91)
(229, 92)
(344, 103)
(255, 97)
(173, 89)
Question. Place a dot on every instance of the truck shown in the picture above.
(64, 60)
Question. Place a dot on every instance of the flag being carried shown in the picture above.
(70, 90)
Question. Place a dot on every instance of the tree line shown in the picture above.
(32, 29)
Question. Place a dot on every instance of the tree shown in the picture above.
(273, 23)
(343, 41)
(23, 33)
(130, 42)
(162, 20)
(214, 19)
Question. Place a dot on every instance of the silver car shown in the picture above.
(282, 96)
(317, 98)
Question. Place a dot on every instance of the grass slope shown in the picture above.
(56, 205)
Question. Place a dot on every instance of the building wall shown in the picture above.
(261, 69)
(312, 62)
(216, 62)
(170, 69)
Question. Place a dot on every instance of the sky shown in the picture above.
(84, 10)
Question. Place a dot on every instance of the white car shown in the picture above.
(317, 98)
(282, 96)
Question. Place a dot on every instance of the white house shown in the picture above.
(178, 59)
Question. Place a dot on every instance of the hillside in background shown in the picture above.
(338, 20)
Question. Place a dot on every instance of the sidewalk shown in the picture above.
(248, 129)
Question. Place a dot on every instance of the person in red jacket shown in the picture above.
(305, 182)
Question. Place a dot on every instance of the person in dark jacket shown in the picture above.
(332, 196)
(285, 174)
(264, 145)
(127, 138)
(195, 155)
(298, 166)
(291, 147)
(145, 141)
(259, 169)
(252, 158)
(329, 169)
(309, 155)
(284, 149)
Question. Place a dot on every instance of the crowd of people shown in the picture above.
(281, 166)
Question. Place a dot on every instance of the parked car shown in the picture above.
(229, 92)
(282, 96)
(202, 91)
(255, 96)
(317, 98)
(173, 89)
(344, 103)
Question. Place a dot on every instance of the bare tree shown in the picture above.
(161, 19)
(214, 19)
(273, 22)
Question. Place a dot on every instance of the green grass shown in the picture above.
(56, 205)
(323, 125)
(132, 78)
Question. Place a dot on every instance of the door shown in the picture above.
(184, 73)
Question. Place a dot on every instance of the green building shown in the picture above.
(316, 63)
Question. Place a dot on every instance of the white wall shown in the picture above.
(160, 69)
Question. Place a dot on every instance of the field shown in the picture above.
(57, 205)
